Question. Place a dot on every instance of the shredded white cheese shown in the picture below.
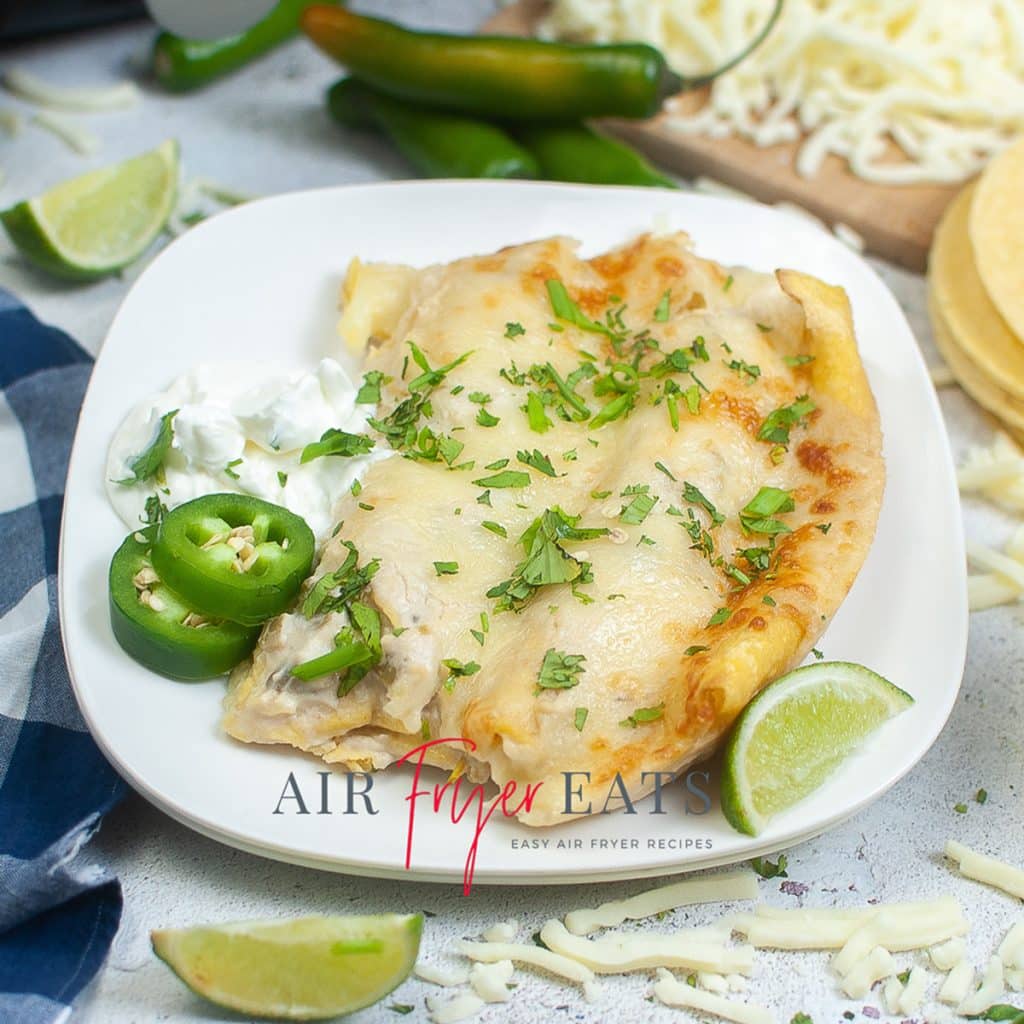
(878, 964)
(503, 931)
(957, 984)
(897, 932)
(451, 1011)
(847, 77)
(892, 989)
(536, 956)
(941, 376)
(80, 99)
(672, 992)
(986, 869)
(490, 981)
(734, 885)
(913, 992)
(80, 139)
(448, 977)
(1011, 949)
(996, 472)
(947, 955)
(990, 991)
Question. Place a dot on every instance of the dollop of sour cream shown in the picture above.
(243, 429)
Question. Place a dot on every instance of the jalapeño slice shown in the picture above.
(156, 628)
(234, 556)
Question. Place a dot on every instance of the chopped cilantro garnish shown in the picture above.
(777, 426)
(497, 528)
(695, 649)
(229, 469)
(547, 563)
(484, 499)
(981, 796)
(744, 368)
(446, 568)
(335, 589)
(537, 460)
(960, 808)
(824, 527)
(757, 515)
(514, 330)
(663, 309)
(369, 508)
(570, 456)
(728, 283)
(498, 464)
(507, 478)
(768, 600)
(458, 670)
(559, 671)
(764, 328)
(797, 360)
(566, 309)
(615, 409)
(767, 869)
(599, 495)
(486, 419)
(720, 616)
(369, 392)
(700, 350)
(692, 397)
(535, 414)
(150, 460)
(479, 397)
(664, 469)
(154, 511)
(803, 1018)
(818, 656)
(579, 718)
(692, 494)
(642, 715)
(639, 506)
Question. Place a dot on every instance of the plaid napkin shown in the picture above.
(58, 912)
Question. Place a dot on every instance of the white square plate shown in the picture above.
(260, 283)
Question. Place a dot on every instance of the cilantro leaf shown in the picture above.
(337, 442)
(559, 671)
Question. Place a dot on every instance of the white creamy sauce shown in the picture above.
(243, 429)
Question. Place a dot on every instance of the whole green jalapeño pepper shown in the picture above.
(156, 628)
(436, 142)
(183, 64)
(495, 76)
(505, 76)
(233, 556)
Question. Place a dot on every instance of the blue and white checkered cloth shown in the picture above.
(58, 913)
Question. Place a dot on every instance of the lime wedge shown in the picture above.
(309, 968)
(796, 732)
(98, 223)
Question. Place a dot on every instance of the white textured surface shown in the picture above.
(265, 131)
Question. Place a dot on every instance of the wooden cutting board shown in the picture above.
(895, 221)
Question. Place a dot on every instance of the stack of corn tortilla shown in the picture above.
(976, 288)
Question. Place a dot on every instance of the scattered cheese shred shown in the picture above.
(536, 956)
(1011, 949)
(876, 966)
(913, 992)
(503, 931)
(898, 931)
(490, 981)
(957, 984)
(80, 139)
(451, 1011)
(948, 954)
(986, 869)
(618, 953)
(995, 472)
(448, 977)
(891, 992)
(941, 80)
(990, 991)
(30, 86)
(942, 376)
(734, 885)
(672, 992)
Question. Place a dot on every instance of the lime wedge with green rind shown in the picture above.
(311, 968)
(796, 733)
(100, 222)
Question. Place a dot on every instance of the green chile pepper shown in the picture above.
(504, 76)
(574, 152)
(156, 628)
(183, 64)
(233, 556)
(435, 142)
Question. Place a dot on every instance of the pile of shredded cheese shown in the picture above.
(711, 969)
(942, 80)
